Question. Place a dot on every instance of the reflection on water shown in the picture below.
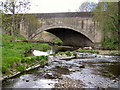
(101, 71)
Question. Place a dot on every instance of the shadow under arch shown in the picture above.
(70, 37)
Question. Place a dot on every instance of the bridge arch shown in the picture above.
(66, 33)
(73, 21)
(88, 35)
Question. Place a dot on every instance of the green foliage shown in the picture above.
(106, 14)
(37, 58)
(89, 51)
(20, 67)
(42, 61)
(25, 60)
(27, 66)
(43, 57)
(14, 52)
(5, 69)
(53, 55)
(42, 47)
(110, 44)
(20, 38)
(57, 41)
(61, 53)
(33, 59)
(75, 54)
(68, 53)
(11, 45)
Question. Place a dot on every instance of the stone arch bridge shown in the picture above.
(73, 28)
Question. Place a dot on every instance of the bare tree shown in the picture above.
(32, 24)
(13, 8)
(87, 7)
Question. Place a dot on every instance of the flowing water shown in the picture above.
(100, 71)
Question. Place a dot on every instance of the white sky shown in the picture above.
(49, 6)
(52, 6)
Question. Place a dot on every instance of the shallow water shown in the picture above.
(101, 71)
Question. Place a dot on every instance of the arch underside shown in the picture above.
(70, 36)
(71, 27)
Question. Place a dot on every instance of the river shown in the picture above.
(101, 71)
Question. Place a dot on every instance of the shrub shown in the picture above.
(5, 69)
(53, 55)
(26, 60)
(43, 57)
(37, 58)
(42, 61)
(32, 59)
(27, 48)
(17, 59)
(61, 53)
(57, 41)
(27, 66)
(43, 47)
(110, 44)
(68, 53)
(75, 54)
(21, 38)
(11, 45)
(89, 51)
(22, 60)
(30, 62)
(20, 67)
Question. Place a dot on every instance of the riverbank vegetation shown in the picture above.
(106, 16)
(106, 13)
(88, 51)
(68, 53)
(13, 53)
(110, 44)
(57, 41)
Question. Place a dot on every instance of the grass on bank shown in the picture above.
(110, 44)
(13, 53)
(68, 53)
(58, 41)
(89, 51)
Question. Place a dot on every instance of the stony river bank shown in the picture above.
(33, 66)
(73, 55)
(74, 71)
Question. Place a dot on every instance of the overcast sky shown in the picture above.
(50, 6)
(53, 6)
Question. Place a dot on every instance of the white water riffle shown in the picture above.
(40, 53)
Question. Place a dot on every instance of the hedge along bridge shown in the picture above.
(73, 28)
